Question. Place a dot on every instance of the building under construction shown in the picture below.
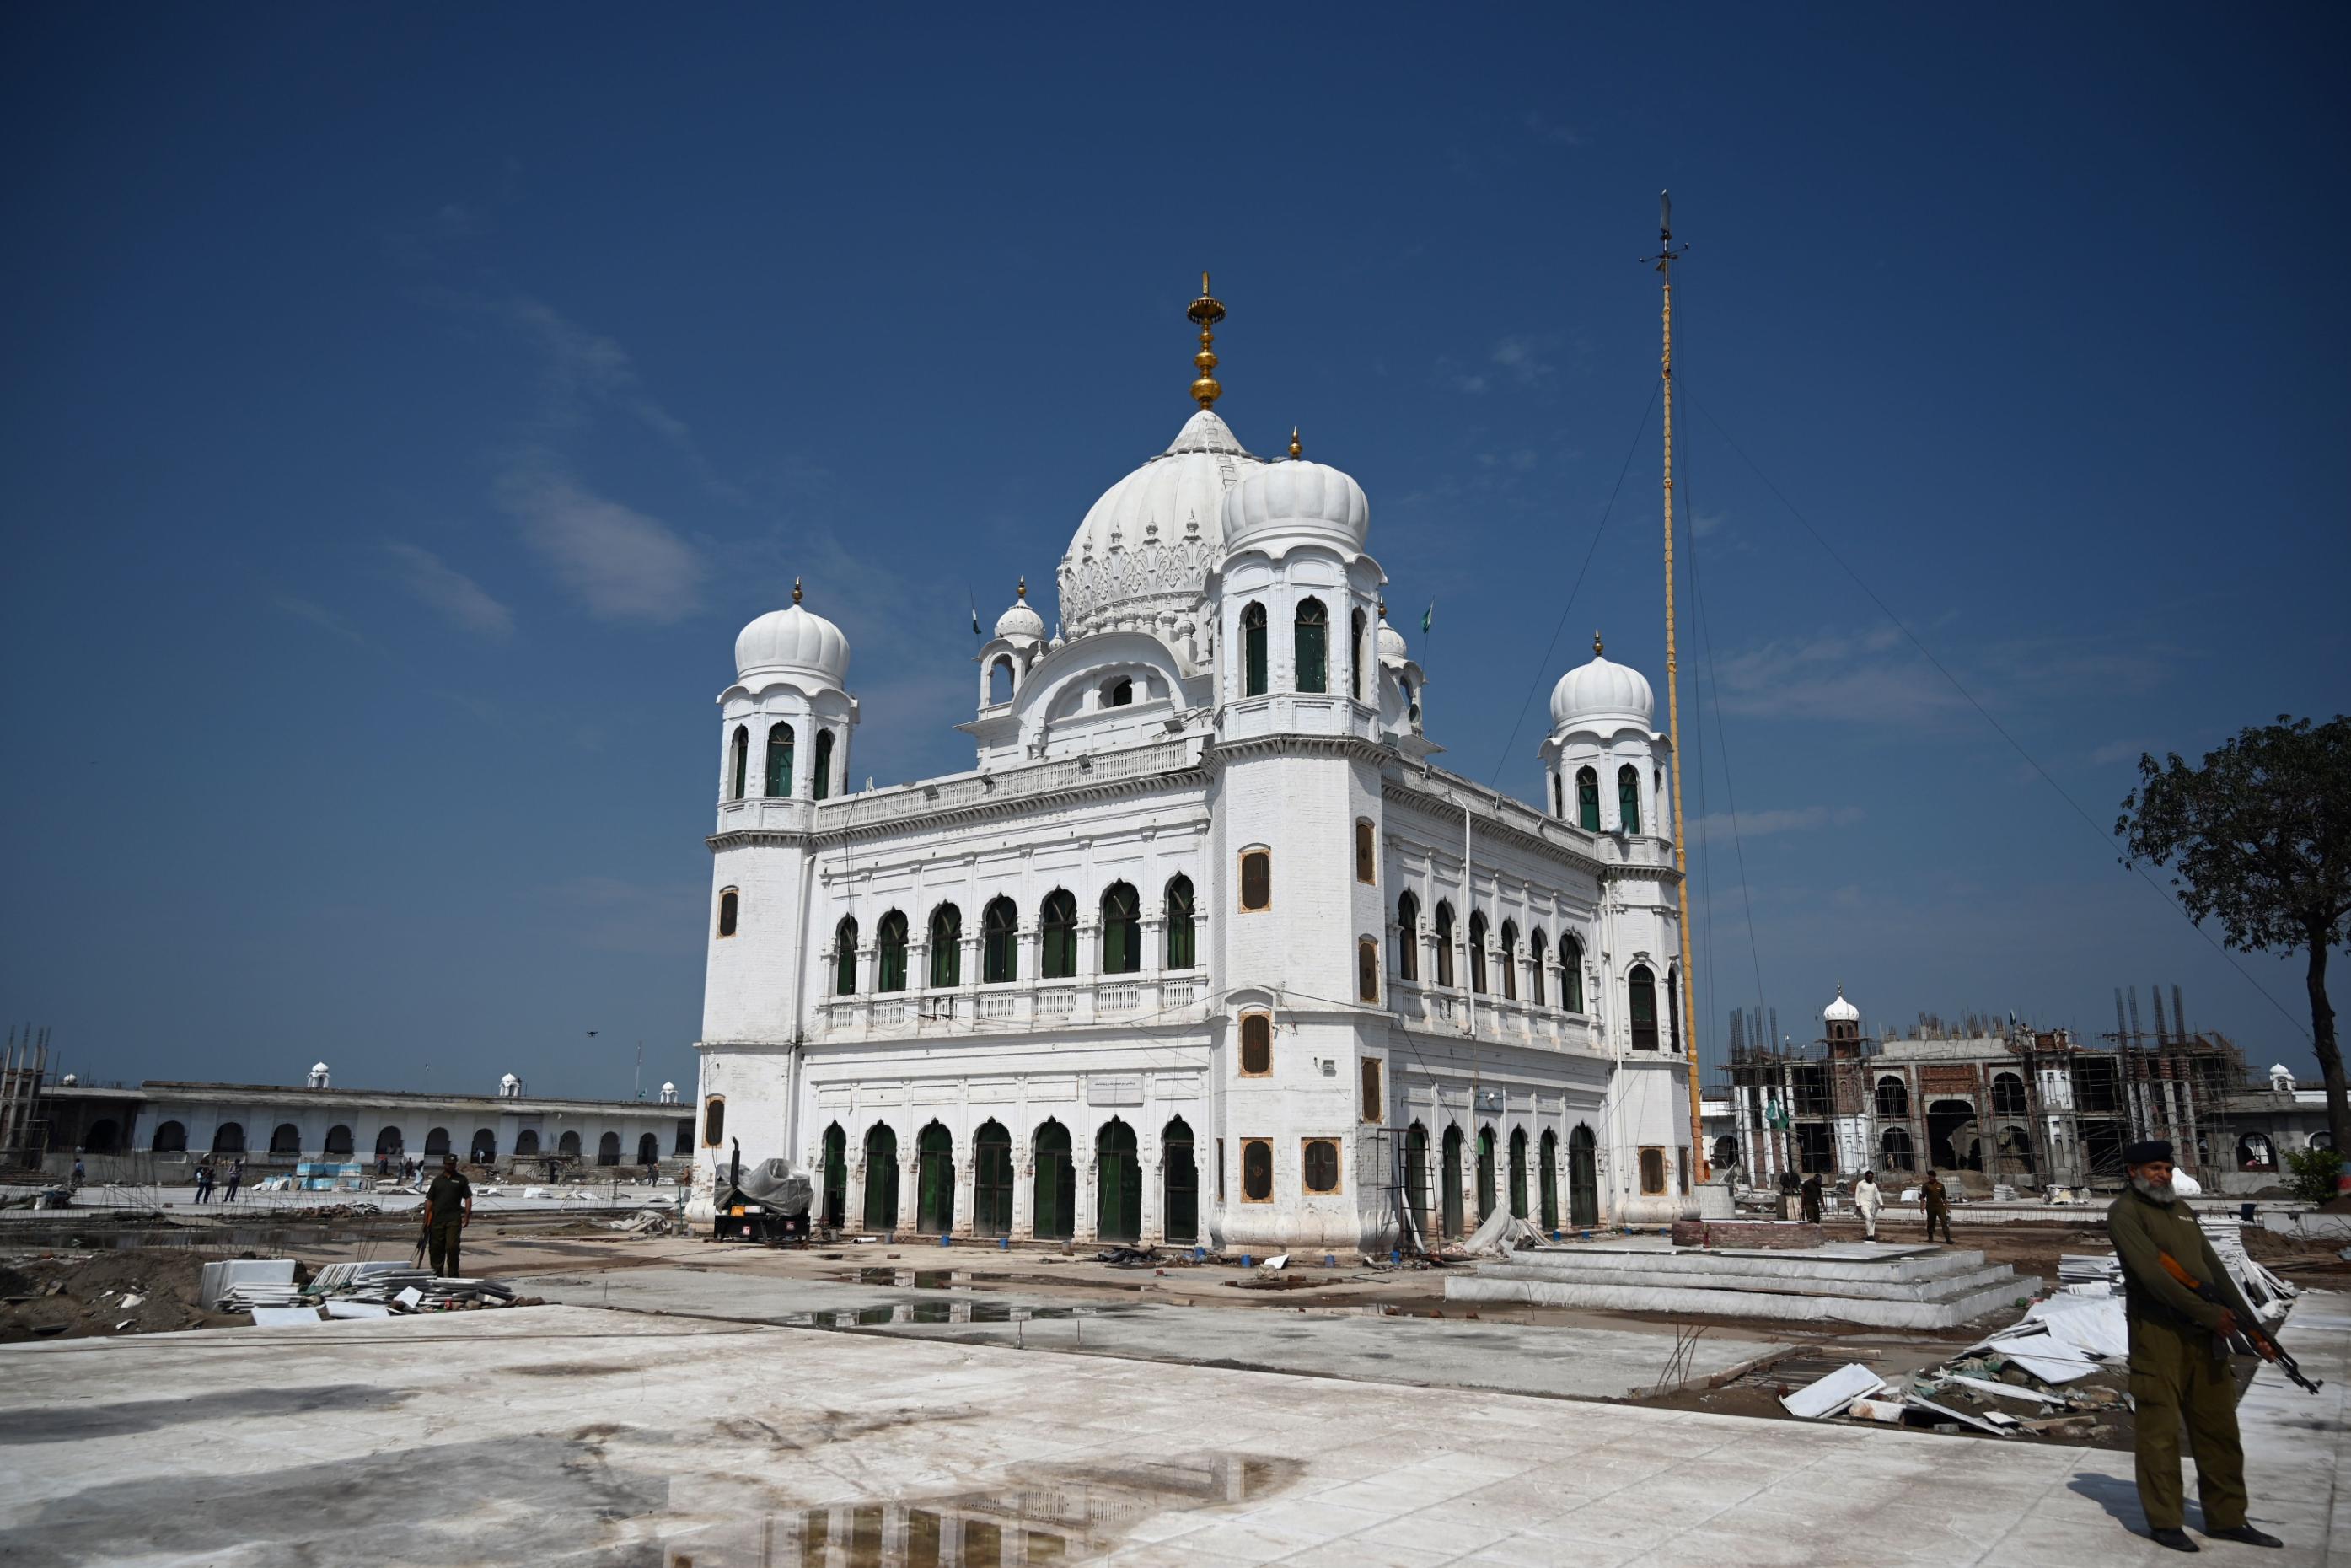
(1984, 1101)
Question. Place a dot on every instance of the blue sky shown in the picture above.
(406, 407)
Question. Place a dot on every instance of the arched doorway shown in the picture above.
(526, 1144)
(568, 1146)
(1726, 1153)
(286, 1140)
(437, 1143)
(836, 1177)
(102, 1135)
(2254, 1152)
(170, 1138)
(648, 1150)
(339, 1142)
(881, 1178)
(1518, 1173)
(934, 1181)
(1416, 1178)
(1895, 1152)
(1950, 1140)
(1053, 1198)
(1179, 1185)
(1583, 1179)
(991, 1180)
(1485, 1173)
(389, 1144)
(1547, 1179)
(229, 1138)
(1118, 1184)
(485, 1147)
(1450, 1176)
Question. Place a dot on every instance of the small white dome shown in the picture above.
(792, 641)
(1297, 499)
(2185, 1185)
(1391, 642)
(1601, 690)
(1840, 1010)
(1021, 621)
(509, 1078)
(669, 1088)
(318, 1067)
(1146, 546)
(2279, 1070)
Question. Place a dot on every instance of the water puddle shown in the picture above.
(960, 1312)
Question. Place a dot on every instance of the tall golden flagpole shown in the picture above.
(1664, 258)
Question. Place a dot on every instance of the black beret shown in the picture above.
(2148, 1151)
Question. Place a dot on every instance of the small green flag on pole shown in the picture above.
(1426, 615)
(974, 621)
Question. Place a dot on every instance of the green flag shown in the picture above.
(974, 621)
(1426, 615)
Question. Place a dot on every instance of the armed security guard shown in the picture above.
(2180, 1356)
(448, 1209)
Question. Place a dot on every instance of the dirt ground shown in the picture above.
(73, 1295)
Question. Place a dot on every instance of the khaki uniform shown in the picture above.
(444, 1231)
(1937, 1198)
(2174, 1373)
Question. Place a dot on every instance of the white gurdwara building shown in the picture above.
(1203, 949)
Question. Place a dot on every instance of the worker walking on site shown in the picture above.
(448, 1209)
(1810, 1191)
(235, 1178)
(1936, 1200)
(2180, 1356)
(204, 1181)
(1868, 1198)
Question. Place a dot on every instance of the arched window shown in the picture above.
(820, 777)
(738, 766)
(1558, 796)
(1122, 930)
(1518, 1173)
(728, 905)
(780, 762)
(835, 1161)
(1571, 974)
(648, 1150)
(437, 1143)
(286, 1140)
(1587, 800)
(1118, 693)
(1253, 650)
(1257, 880)
(1407, 936)
(1641, 987)
(1058, 923)
(1628, 798)
(568, 1146)
(229, 1138)
(946, 948)
(1312, 646)
(100, 1137)
(485, 1149)
(1118, 1184)
(339, 1142)
(1445, 946)
(389, 1141)
(1478, 951)
(526, 1144)
(170, 1138)
(1652, 1172)
(845, 957)
(999, 952)
(1367, 855)
(1256, 1044)
(607, 1149)
(1257, 1170)
(1449, 1180)
(1537, 951)
(1357, 656)
(1319, 1165)
(890, 944)
(991, 1180)
(2007, 1094)
(713, 1121)
(1508, 957)
(1547, 1180)
(1179, 1184)
(935, 1181)
(1367, 970)
(1893, 1099)
(1674, 1010)
(999, 681)
(1896, 1152)
(1183, 944)
(1053, 1195)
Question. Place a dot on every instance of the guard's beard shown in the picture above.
(2159, 1192)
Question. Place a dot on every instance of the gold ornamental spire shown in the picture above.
(1295, 451)
(796, 591)
(1205, 313)
(1021, 592)
(1595, 642)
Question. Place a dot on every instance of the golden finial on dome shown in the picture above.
(1384, 609)
(1205, 313)
(1294, 451)
(1021, 592)
(1596, 642)
(796, 591)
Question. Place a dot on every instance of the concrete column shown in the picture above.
(1083, 1159)
(910, 1181)
(1024, 1194)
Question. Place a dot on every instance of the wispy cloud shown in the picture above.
(319, 615)
(1522, 358)
(585, 371)
(621, 564)
(1716, 827)
(448, 590)
(1544, 129)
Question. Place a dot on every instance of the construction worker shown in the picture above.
(2179, 1356)
(448, 1209)
(1811, 1195)
(1868, 1198)
(1936, 1200)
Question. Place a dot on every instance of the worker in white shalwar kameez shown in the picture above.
(1867, 1199)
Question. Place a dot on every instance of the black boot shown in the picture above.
(2245, 1535)
(2175, 1538)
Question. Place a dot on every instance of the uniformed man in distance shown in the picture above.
(2179, 1366)
(448, 1209)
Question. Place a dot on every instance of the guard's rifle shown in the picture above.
(2249, 1328)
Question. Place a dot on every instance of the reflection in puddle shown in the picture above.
(1044, 1514)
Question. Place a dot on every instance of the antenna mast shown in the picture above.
(1664, 258)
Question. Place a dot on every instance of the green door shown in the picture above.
(1451, 1177)
(1415, 1177)
(1054, 1199)
(836, 1177)
(1518, 1173)
(934, 1198)
(1118, 1193)
(881, 1180)
(1583, 1180)
(1485, 1173)
(1547, 1177)
(1180, 1185)
(991, 1181)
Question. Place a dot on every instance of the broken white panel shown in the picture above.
(1962, 1416)
(411, 1297)
(2045, 1359)
(284, 1317)
(357, 1310)
(1826, 1396)
(2090, 1323)
(2004, 1390)
(1886, 1412)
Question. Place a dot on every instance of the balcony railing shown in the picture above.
(1034, 1004)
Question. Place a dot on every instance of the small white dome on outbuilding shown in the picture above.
(318, 1067)
(1840, 1010)
(1296, 500)
(1392, 650)
(1021, 621)
(793, 641)
(1602, 691)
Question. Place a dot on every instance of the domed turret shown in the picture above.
(1392, 650)
(1840, 1010)
(1021, 621)
(793, 643)
(1296, 502)
(1602, 692)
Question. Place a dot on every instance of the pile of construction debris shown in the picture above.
(267, 1287)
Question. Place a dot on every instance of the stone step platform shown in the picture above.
(1884, 1287)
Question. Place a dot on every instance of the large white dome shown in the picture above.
(1296, 500)
(792, 641)
(1601, 691)
(1145, 547)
